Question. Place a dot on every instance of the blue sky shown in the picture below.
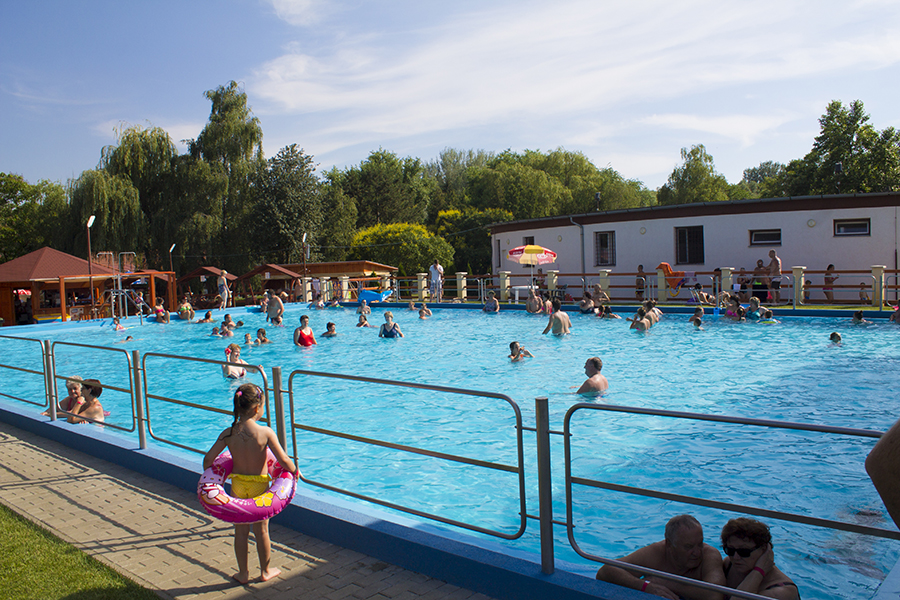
(627, 83)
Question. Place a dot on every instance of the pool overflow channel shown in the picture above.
(140, 373)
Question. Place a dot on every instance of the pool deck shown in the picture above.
(155, 533)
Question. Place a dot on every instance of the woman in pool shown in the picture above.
(607, 313)
(233, 356)
(303, 335)
(74, 399)
(363, 321)
(389, 329)
(858, 319)
(753, 310)
(261, 337)
(162, 315)
(750, 563)
(586, 306)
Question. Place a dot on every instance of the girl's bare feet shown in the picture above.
(270, 573)
(242, 578)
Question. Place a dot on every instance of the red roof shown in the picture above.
(47, 263)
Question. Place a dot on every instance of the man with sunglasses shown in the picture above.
(682, 553)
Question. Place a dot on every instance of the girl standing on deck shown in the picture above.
(247, 441)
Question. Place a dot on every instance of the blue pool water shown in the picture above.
(786, 372)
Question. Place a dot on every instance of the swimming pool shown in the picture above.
(787, 372)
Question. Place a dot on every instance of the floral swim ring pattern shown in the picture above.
(211, 492)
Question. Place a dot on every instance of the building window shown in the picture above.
(605, 249)
(689, 245)
(765, 237)
(852, 227)
(528, 240)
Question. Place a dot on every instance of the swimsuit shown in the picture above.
(390, 333)
(305, 339)
(248, 486)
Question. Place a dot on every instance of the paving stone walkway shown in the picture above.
(157, 535)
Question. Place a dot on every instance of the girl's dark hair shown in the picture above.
(246, 398)
(94, 387)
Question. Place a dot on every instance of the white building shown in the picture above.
(852, 231)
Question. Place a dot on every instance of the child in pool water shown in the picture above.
(247, 441)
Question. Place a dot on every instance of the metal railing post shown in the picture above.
(279, 407)
(137, 386)
(545, 490)
(49, 378)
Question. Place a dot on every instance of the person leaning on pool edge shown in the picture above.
(683, 553)
(750, 566)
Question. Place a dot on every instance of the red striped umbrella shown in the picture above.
(531, 255)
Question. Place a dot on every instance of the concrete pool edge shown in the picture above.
(425, 549)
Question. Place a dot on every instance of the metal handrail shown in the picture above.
(148, 395)
(518, 469)
(42, 373)
(129, 391)
(726, 506)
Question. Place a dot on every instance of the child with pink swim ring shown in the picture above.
(250, 445)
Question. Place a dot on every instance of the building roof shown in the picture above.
(273, 271)
(698, 209)
(48, 263)
(205, 272)
(351, 268)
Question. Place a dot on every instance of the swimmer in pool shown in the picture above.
(559, 322)
(389, 329)
(640, 321)
(412, 305)
(750, 563)
(303, 335)
(423, 309)
(248, 340)
(363, 308)
(697, 317)
(534, 304)
(596, 383)
(207, 318)
(363, 321)
(215, 332)
(330, 330)
(74, 399)
(225, 331)
(682, 552)
(91, 408)
(895, 316)
(607, 313)
(233, 357)
(118, 326)
(835, 338)
(517, 352)
(859, 320)
(261, 337)
(491, 305)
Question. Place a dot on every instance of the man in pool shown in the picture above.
(275, 307)
(559, 322)
(596, 383)
(683, 553)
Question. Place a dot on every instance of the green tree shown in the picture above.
(31, 216)
(387, 189)
(848, 155)
(232, 141)
(145, 157)
(695, 180)
(338, 220)
(511, 186)
(467, 232)
(119, 224)
(288, 205)
(408, 246)
(450, 171)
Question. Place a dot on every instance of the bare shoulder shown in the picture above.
(652, 556)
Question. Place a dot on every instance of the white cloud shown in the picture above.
(298, 12)
(745, 129)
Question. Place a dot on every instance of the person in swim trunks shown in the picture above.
(247, 441)
(750, 563)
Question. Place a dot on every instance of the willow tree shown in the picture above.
(119, 224)
(232, 142)
(338, 220)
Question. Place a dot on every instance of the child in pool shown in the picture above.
(215, 332)
(247, 441)
(261, 337)
(858, 319)
(248, 340)
(119, 326)
(835, 338)
(363, 321)
(697, 317)
(225, 330)
(330, 330)
(517, 352)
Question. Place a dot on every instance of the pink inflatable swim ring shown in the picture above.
(211, 492)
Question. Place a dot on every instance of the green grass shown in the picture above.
(36, 565)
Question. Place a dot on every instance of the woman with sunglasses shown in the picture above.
(750, 565)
